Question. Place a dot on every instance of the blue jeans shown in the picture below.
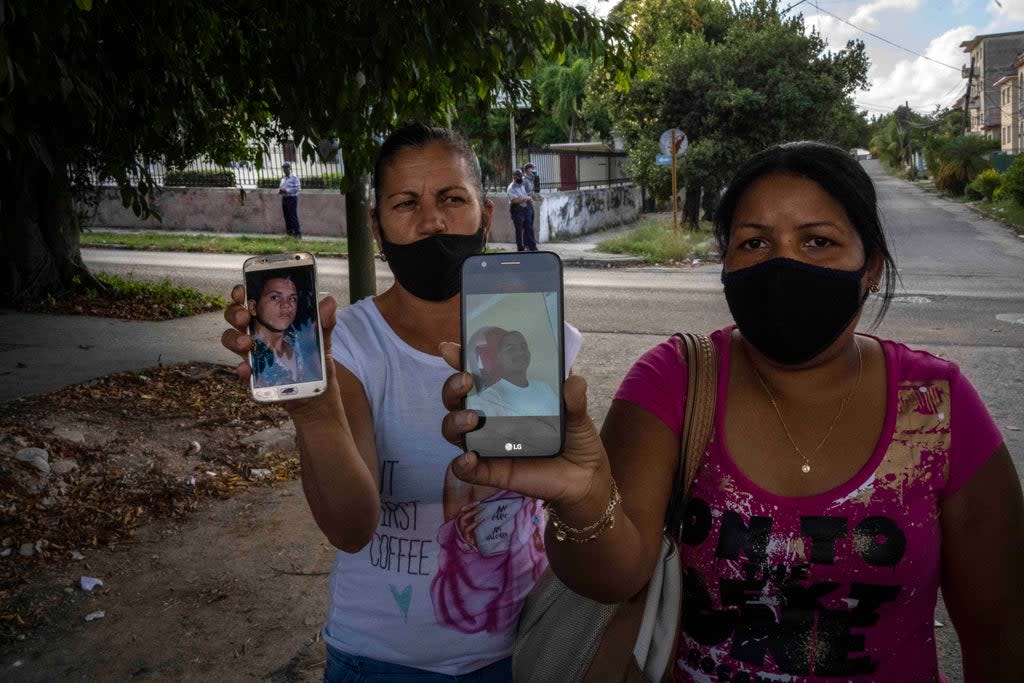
(346, 668)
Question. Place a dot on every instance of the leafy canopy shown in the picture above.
(106, 86)
(736, 79)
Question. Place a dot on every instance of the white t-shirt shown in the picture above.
(504, 398)
(441, 584)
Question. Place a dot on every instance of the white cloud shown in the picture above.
(1012, 10)
(864, 16)
(917, 80)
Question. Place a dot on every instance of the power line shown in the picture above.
(886, 40)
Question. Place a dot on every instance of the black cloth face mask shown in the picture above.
(790, 310)
(431, 268)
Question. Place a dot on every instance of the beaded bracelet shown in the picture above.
(565, 532)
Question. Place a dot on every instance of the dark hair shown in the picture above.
(418, 135)
(840, 175)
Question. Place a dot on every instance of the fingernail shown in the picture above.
(465, 418)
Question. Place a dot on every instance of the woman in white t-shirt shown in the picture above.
(432, 572)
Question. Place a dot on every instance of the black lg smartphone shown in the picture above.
(513, 345)
(287, 351)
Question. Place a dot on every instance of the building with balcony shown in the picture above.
(992, 59)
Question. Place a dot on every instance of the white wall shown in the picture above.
(583, 211)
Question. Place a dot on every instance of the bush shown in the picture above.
(984, 184)
(223, 178)
(1013, 180)
(327, 181)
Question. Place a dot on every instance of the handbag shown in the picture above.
(564, 637)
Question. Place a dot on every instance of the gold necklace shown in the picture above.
(806, 467)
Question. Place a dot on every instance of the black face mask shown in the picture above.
(431, 268)
(791, 311)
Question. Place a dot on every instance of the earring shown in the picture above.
(874, 288)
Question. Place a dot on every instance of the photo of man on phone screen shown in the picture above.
(513, 392)
(285, 346)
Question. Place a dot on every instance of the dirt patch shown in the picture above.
(211, 565)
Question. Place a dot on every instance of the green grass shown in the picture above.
(162, 241)
(112, 296)
(1005, 210)
(656, 242)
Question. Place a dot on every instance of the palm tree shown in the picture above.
(560, 89)
(962, 158)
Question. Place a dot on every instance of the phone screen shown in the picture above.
(512, 341)
(286, 354)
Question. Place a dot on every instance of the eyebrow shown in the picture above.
(413, 193)
(804, 226)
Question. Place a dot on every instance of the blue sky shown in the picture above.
(932, 28)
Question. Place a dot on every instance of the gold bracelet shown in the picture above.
(565, 532)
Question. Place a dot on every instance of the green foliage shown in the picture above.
(213, 244)
(984, 185)
(961, 159)
(656, 242)
(184, 301)
(1013, 181)
(327, 181)
(224, 178)
(657, 180)
(735, 77)
(103, 88)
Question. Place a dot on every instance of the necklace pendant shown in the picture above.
(805, 468)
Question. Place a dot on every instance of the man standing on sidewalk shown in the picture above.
(289, 191)
(530, 178)
(521, 207)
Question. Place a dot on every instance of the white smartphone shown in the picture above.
(287, 350)
(513, 345)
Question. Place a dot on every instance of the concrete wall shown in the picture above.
(222, 209)
(322, 212)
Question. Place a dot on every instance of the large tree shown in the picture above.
(97, 89)
(741, 77)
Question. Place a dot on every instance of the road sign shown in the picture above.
(666, 141)
(663, 159)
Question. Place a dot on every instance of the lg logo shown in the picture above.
(513, 447)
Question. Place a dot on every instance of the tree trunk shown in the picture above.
(39, 232)
(362, 277)
(691, 207)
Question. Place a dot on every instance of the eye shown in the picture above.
(753, 243)
(453, 199)
(404, 205)
(819, 242)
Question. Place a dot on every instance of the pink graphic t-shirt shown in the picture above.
(839, 586)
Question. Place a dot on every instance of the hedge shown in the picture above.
(328, 181)
(223, 178)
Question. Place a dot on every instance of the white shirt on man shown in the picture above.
(503, 399)
(291, 185)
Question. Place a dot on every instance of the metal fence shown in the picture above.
(561, 170)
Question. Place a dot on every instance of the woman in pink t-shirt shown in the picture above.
(847, 480)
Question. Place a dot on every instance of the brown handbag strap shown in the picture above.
(701, 357)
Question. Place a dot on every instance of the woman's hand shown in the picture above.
(237, 340)
(566, 478)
